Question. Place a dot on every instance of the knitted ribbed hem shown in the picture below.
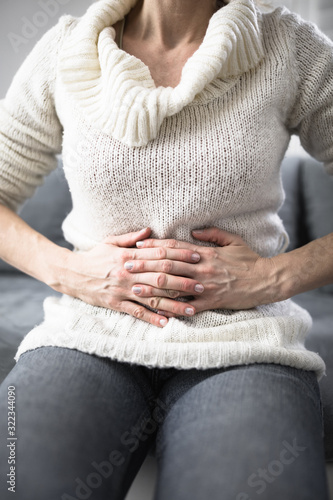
(278, 340)
(183, 356)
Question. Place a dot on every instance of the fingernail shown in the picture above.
(163, 322)
(143, 230)
(199, 288)
(195, 257)
(198, 231)
(139, 244)
(137, 289)
(189, 311)
(128, 266)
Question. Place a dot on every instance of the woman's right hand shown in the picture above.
(99, 277)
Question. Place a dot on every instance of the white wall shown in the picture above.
(22, 23)
(317, 11)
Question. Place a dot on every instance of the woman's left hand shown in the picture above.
(233, 276)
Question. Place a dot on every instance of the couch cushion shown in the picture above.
(21, 308)
(290, 211)
(47, 209)
(317, 188)
(320, 340)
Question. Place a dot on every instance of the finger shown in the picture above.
(129, 239)
(140, 312)
(169, 305)
(169, 282)
(149, 291)
(200, 304)
(166, 314)
(175, 268)
(163, 253)
(168, 243)
(218, 236)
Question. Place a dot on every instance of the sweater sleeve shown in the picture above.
(30, 131)
(312, 115)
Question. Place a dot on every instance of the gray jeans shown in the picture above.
(85, 425)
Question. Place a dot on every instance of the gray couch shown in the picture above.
(307, 214)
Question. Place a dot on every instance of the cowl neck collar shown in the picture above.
(115, 90)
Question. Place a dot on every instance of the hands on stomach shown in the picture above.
(156, 272)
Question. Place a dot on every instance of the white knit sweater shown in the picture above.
(206, 153)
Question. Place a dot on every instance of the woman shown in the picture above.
(175, 327)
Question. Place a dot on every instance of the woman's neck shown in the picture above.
(169, 23)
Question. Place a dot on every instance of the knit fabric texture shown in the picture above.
(205, 153)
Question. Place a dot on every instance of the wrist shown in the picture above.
(58, 269)
(276, 285)
(291, 273)
(306, 268)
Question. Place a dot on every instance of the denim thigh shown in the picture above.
(85, 425)
(79, 425)
(242, 433)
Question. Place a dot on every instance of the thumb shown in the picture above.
(128, 239)
(218, 236)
